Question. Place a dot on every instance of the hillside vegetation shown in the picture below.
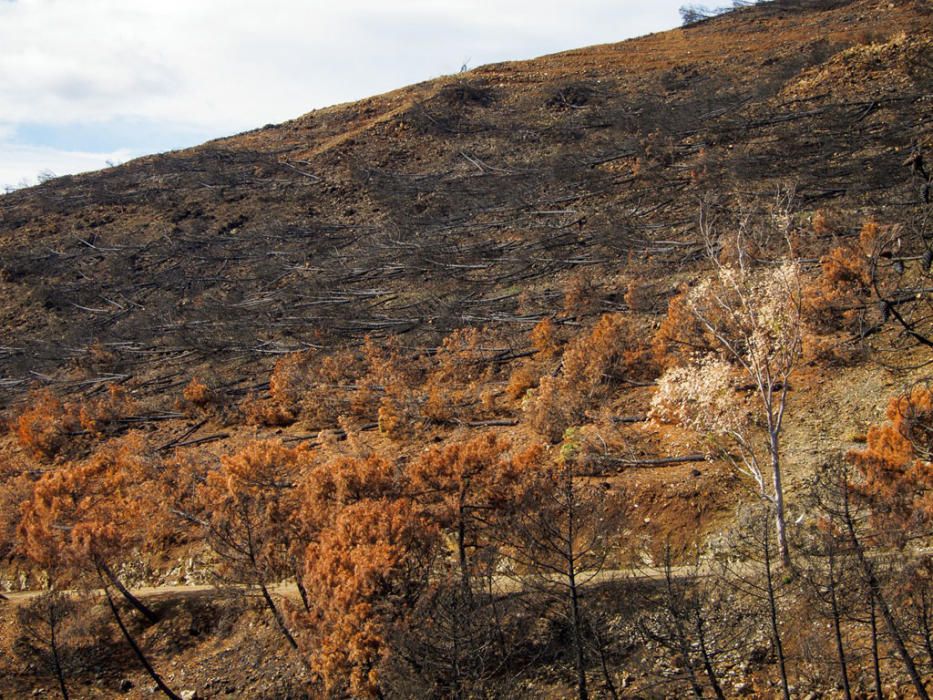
(597, 375)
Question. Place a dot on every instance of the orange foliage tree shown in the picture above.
(86, 517)
(837, 298)
(896, 465)
(199, 394)
(546, 342)
(896, 483)
(332, 393)
(468, 487)
(545, 339)
(363, 573)
(248, 506)
(44, 427)
(330, 487)
(836, 304)
(470, 490)
(16, 485)
(462, 365)
(319, 387)
(392, 383)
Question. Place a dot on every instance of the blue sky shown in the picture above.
(87, 82)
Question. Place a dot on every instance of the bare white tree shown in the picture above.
(752, 319)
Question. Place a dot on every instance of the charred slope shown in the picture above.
(463, 199)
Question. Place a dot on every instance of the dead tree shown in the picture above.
(560, 537)
(750, 571)
(42, 623)
(680, 622)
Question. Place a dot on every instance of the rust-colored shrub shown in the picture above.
(836, 300)
(392, 421)
(545, 339)
(521, 380)
(45, 426)
(825, 223)
(330, 487)
(364, 400)
(396, 380)
(896, 464)
(469, 486)
(470, 489)
(870, 236)
(593, 365)
(836, 306)
(439, 405)
(250, 504)
(336, 388)
(680, 336)
(315, 386)
(464, 363)
(50, 428)
(258, 411)
(97, 416)
(309, 384)
(198, 394)
(641, 297)
(289, 379)
(589, 364)
(18, 485)
(547, 411)
(580, 294)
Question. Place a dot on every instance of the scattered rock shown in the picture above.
(189, 695)
(126, 685)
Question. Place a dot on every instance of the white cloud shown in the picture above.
(221, 66)
(22, 165)
(244, 63)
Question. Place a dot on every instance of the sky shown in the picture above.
(89, 83)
